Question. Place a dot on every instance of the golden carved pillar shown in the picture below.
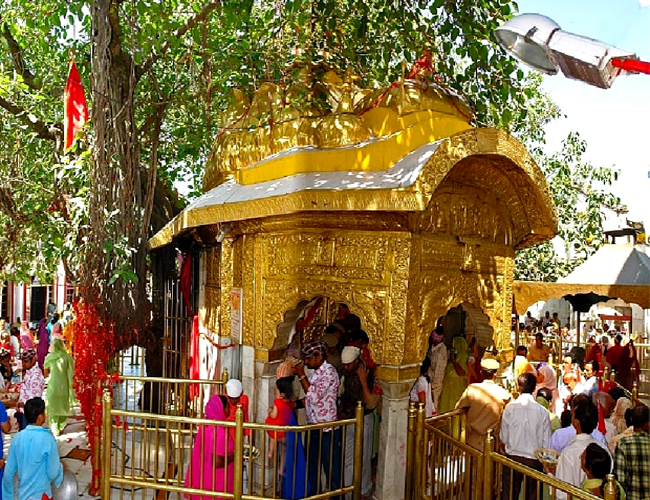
(227, 283)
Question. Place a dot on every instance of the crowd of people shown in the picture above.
(328, 379)
(590, 423)
(36, 386)
(613, 351)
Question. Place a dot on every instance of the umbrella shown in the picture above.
(582, 302)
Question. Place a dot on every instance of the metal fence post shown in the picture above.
(609, 492)
(107, 424)
(224, 380)
(239, 454)
(419, 451)
(96, 459)
(358, 452)
(410, 449)
(488, 466)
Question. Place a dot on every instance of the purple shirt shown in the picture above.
(562, 437)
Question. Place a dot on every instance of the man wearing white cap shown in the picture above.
(236, 396)
(484, 402)
(356, 386)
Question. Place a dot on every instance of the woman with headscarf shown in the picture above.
(546, 378)
(618, 415)
(455, 380)
(55, 329)
(59, 396)
(43, 342)
(5, 343)
(26, 337)
(212, 466)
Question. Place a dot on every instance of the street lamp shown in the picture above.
(540, 43)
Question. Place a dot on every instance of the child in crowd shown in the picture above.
(596, 463)
(292, 454)
(34, 456)
(282, 411)
(33, 383)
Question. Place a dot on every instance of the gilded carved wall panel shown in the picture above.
(397, 336)
(249, 271)
(212, 314)
(347, 255)
(227, 282)
(448, 278)
(466, 211)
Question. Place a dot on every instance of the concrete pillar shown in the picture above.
(391, 467)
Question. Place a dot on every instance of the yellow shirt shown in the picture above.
(539, 354)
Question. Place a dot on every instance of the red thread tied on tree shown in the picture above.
(76, 110)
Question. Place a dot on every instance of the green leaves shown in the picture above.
(580, 192)
(241, 44)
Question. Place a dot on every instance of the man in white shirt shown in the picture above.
(590, 387)
(525, 426)
(529, 321)
(585, 419)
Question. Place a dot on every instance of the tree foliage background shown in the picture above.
(158, 75)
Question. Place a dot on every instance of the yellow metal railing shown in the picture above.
(129, 360)
(440, 465)
(147, 452)
(166, 396)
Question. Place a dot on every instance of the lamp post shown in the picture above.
(540, 43)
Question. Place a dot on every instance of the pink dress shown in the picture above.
(210, 441)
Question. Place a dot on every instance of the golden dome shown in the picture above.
(329, 115)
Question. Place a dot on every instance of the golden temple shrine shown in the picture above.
(388, 201)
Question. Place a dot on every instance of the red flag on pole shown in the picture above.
(76, 111)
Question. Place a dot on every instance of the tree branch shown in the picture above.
(180, 32)
(19, 61)
(44, 130)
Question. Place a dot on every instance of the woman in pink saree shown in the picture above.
(26, 337)
(212, 467)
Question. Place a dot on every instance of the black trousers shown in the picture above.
(512, 480)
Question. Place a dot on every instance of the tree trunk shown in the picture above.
(117, 227)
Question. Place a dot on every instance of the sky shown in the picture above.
(613, 121)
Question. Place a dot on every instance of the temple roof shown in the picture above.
(405, 186)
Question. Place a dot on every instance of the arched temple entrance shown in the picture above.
(308, 321)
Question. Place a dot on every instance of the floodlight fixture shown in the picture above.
(540, 43)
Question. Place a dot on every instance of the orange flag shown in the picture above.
(76, 110)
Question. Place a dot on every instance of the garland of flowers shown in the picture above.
(94, 345)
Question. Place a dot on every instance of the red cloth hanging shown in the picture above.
(75, 108)
(185, 282)
(601, 420)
